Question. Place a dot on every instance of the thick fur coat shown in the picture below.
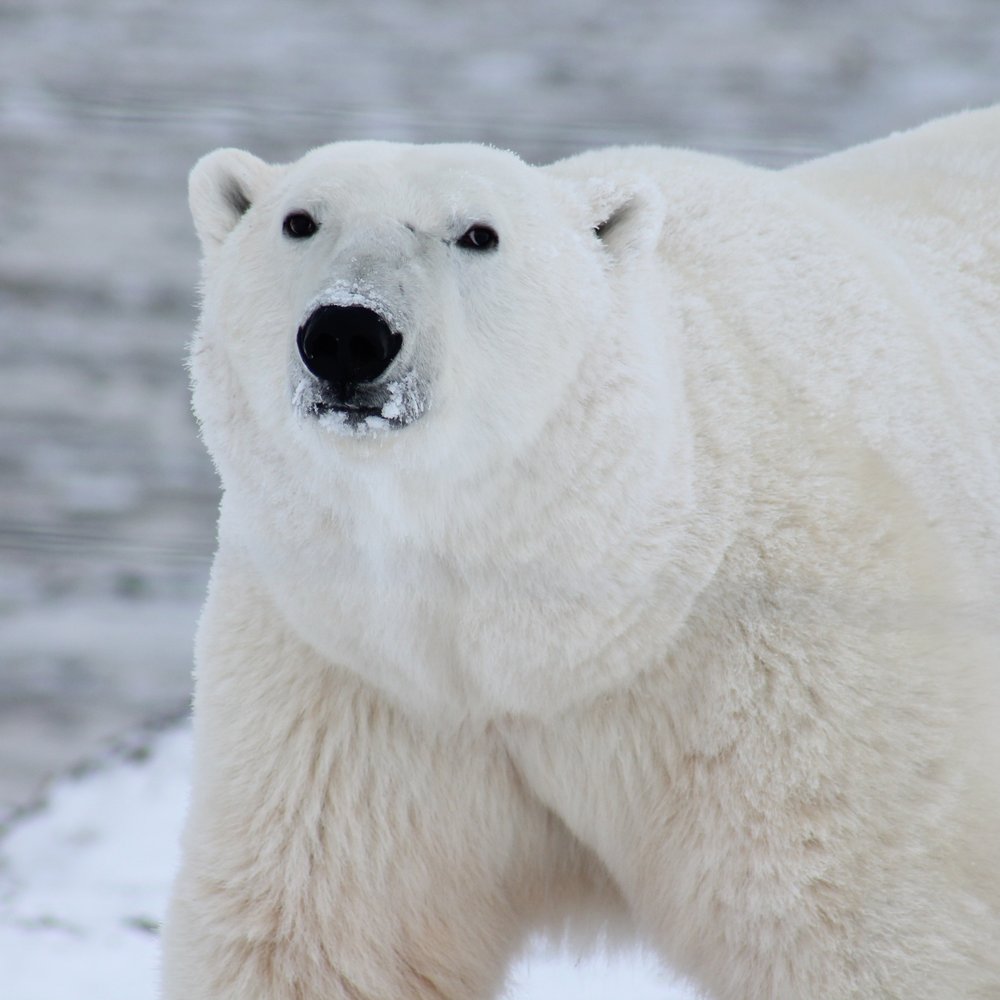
(657, 589)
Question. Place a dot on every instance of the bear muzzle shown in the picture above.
(347, 347)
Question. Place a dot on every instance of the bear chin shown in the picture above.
(391, 406)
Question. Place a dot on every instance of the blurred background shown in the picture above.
(107, 501)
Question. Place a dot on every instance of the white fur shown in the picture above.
(674, 608)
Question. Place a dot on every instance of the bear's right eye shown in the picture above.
(299, 225)
(479, 237)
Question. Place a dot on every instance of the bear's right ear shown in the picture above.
(626, 212)
(221, 188)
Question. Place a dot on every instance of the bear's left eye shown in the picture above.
(299, 225)
(479, 237)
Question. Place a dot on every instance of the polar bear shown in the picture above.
(613, 544)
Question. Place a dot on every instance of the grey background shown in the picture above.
(106, 499)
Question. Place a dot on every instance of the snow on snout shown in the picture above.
(344, 293)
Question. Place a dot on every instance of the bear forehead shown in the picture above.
(401, 156)
(441, 172)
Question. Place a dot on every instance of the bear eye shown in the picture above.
(478, 237)
(299, 225)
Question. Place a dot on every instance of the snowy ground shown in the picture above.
(84, 883)
(106, 498)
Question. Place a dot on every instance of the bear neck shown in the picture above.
(547, 578)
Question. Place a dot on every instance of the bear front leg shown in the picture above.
(336, 850)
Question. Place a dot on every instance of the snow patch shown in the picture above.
(406, 402)
(353, 293)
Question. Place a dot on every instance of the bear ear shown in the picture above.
(626, 213)
(221, 188)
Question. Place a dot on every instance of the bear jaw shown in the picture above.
(396, 404)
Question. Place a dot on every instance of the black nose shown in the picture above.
(347, 346)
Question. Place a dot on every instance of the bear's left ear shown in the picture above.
(221, 188)
(626, 212)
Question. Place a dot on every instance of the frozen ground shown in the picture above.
(106, 500)
(84, 884)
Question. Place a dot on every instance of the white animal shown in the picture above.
(614, 543)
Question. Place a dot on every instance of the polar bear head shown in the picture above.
(371, 287)
(435, 375)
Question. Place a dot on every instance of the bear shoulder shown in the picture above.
(916, 181)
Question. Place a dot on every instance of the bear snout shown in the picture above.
(347, 347)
